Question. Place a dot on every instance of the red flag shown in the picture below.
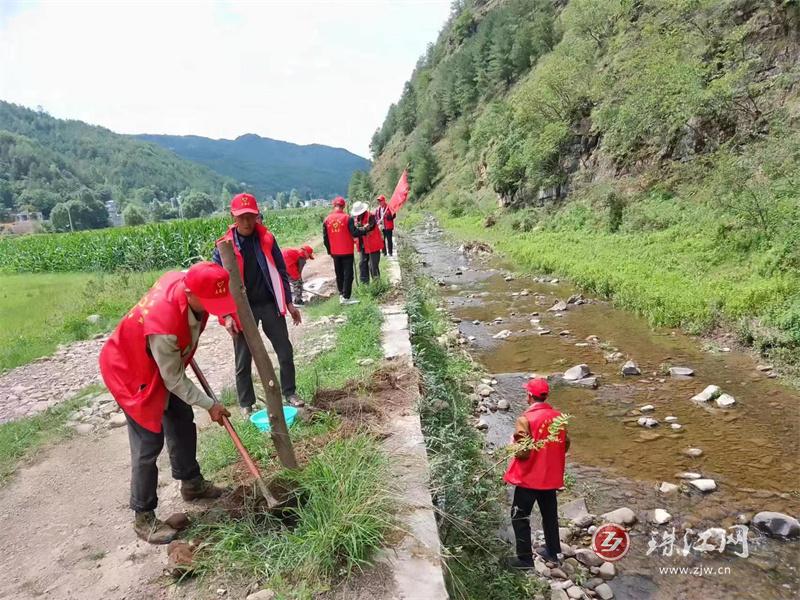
(400, 193)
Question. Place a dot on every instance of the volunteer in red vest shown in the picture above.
(267, 285)
(537, 475)
(369, 240)
(338, 236)
(295, 259)
(143, 365)
(385, 219)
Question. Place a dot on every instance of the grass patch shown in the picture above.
(21, 438)
(466, 502)
(342, 521)
(39, 311)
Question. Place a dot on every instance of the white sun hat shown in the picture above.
(359, 208)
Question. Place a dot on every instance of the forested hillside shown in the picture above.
(649, 149)
(46, 161)
(268, 166)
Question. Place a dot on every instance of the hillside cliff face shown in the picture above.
(670, 125)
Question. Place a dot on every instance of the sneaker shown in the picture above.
(516, 563)
(546, 556)
(352, 301)
(151, 530)
(342, 300)
(198, 489)
(246, 411)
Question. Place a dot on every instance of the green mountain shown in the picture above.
(648, 149)
(45, 161)
(268, 166)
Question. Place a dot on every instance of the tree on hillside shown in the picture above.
(197, 204)
(162, 211)
(38, 200)
(82, 212)
(282, 200)
(134, 215)
(360, 188)
(423, 166)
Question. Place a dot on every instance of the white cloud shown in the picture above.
(302, 71)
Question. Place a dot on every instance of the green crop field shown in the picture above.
(142, 248)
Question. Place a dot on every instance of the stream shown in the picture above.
(750, 449)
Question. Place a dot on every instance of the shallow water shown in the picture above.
(751, 450)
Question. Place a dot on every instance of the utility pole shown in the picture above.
(69, 216)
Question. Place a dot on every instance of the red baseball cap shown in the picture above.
(309, 251)
(381, 198)
(537, 387)
(209, 282)
(244, 203)
(339, 201)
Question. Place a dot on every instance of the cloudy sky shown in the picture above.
(298, 70)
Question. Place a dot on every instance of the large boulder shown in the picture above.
(559, 306)
(711, 392)
(776, 524)
(574, 510)
(621, 516)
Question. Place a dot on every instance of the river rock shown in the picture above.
(84, 428)
(557, 573)
(693, 452)
(574, 509)
(574, 592)
(776, 524)
(541, 568)
(604, 591)
(484, 390)
(587, 382)
(564, 332)
(607, 571)
(525, 292)
(503, 404)
(711, 392)
(482, 425)
(584, 521)
(543, 332)
(660, 516)
(630, 368)
(670, 419)
(725, 400)
(621, 516)
(687, 475)
(587, 557)
(676, 426)
(501, 335)
(704, 485)
(667, 488)
(559, 306)
(764, 368)
(681, 372)
(647, 408)
(647, 422)
(593, 583)
(577, 372)
(558, 594)
(117, 420)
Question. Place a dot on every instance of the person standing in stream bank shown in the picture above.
(143, 365)
(537, 474)
(369, 240)
(295, 259)
(338, 233)
(385, 219)
(267, 284)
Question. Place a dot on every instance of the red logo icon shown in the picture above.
(610, 542)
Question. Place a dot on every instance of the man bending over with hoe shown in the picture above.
(143, 364)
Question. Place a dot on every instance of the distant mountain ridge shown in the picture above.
(267, 166)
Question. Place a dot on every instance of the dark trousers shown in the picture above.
(274, 325)
(179, 429)
(368, 266)
(343, 265)
(521, 508)
(388, 244)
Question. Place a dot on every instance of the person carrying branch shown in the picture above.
(338, 236)
(143, 365)
(266, 282)
(295, 259)
(385, 218)
(369, 241)
(537, 471)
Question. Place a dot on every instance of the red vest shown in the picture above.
(339, 238)
(544, 468)
(292, 256)
(266, 239)
(381, 213)
(129, 371)
(373, 241)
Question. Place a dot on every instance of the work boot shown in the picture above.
(246, 411)
(517, 563)
(198, 489)
(150, 529)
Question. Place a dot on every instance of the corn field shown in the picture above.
(150, 247)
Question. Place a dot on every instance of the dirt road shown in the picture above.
(67, 529)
